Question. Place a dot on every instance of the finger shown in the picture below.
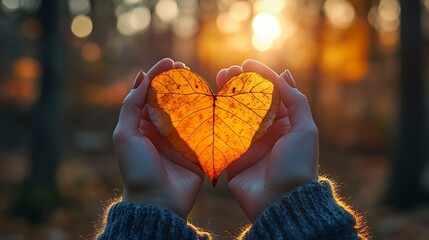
(161, 66)
(233, 71)
(145, 114)
(251, 65)
(179, 65)
(221, 77)
(282, 112)
(297, 105)
(130, 114)
(228, 74)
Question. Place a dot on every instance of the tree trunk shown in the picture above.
(406, 185)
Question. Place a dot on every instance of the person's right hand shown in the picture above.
(152, 171)
(285, 157)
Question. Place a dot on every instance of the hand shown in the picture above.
(152, 171)
(285, 157)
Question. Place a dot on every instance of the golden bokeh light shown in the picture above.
(186, 26)
(389, 10)
(271, 6)
(167, 10)
(226, 24)
(91, 51)
(388, 15)
(134, 21)
(340, 13)
(385, 16)
(240, 10)
(139, 18)
(81, 26)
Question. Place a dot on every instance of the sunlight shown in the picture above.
(272, 6)
(261, 44)
(266, 29)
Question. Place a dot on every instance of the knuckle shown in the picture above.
(302, 98)
(118, 136)
(311, 130)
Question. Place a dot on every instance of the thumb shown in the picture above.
(130, 114)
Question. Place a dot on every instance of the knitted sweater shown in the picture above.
(308, 212)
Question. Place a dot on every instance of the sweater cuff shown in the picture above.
(308, 212)
(127, 220)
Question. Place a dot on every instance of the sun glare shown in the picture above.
(266, 28)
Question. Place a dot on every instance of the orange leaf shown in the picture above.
(211, 130)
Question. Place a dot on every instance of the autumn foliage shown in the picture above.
(211, 130)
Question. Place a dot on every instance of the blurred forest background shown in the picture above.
(65, 67)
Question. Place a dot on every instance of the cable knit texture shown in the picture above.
(128, 220)
(308, 212)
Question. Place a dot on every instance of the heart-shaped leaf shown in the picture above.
(211, 130)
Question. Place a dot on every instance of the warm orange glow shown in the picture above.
(240, 10)
(27, 68)
(346, 57)
(211, 131)
(108, 96)
(227, 24)
(271, 6)
(91, 52)
(23, 87)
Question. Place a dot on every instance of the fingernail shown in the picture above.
(138, 80)
(290, 80)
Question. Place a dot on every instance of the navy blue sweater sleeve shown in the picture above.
(128, 220)
(308, 212)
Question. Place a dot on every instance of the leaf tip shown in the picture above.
(214, 181)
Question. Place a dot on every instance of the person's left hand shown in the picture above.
(285, 157)
(152, 171)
